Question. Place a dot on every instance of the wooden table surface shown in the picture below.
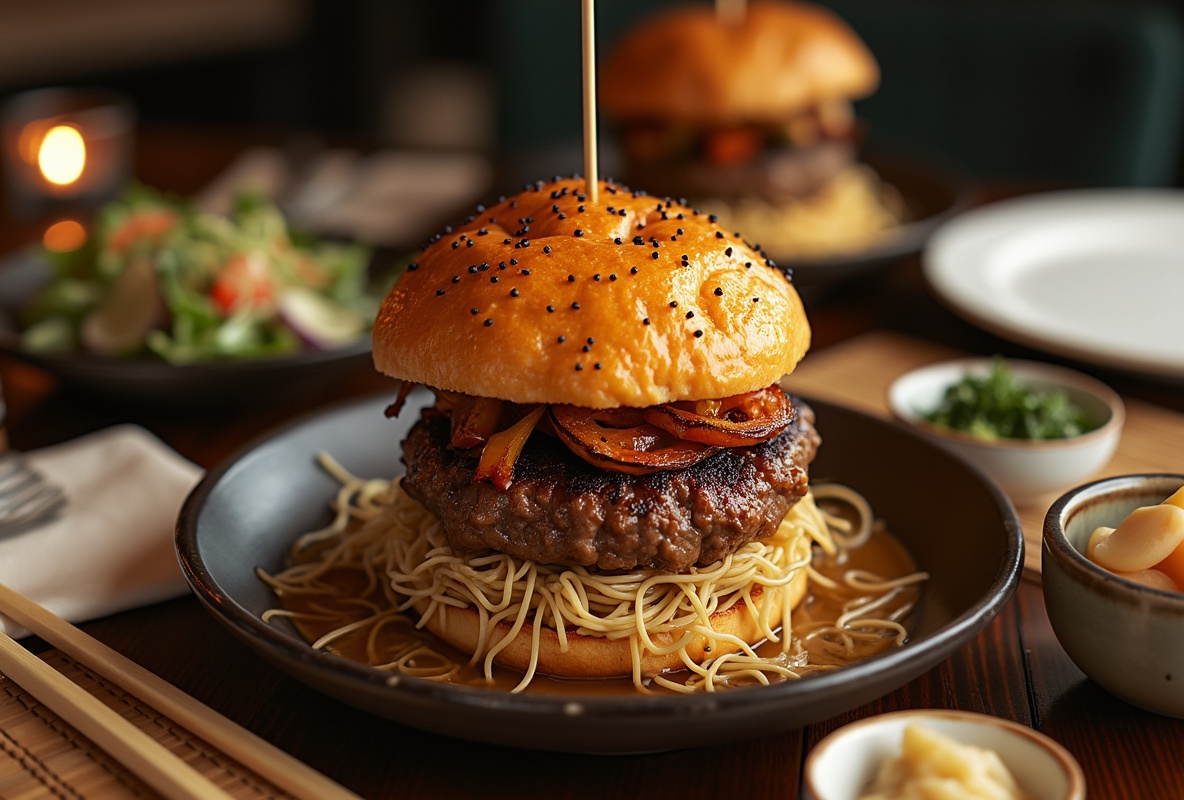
(1013, 669)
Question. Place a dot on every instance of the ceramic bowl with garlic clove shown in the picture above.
(1126, 635)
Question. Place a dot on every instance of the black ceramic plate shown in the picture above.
(151, 381)
(247, 512)
(931, 198)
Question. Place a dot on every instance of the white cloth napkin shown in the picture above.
(111, 548)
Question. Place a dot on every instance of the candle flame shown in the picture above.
(62, 155)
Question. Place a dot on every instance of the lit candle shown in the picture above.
(65, 147)
(62, 155)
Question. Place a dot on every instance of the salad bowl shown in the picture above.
(154, 382)
(159, 302)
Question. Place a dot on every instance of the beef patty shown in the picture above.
(561, 510)
(778, 175)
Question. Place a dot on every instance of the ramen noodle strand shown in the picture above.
(840, 529)
(519, 620)
(868, 581)
(380, 531)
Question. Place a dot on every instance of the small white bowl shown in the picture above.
(1127, 637)
(843, 764)
(1026, 470)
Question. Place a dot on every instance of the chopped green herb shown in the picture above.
(1000, 406)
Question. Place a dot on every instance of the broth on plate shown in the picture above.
(356, 618)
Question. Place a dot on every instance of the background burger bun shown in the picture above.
(635, 301)
(685, 64)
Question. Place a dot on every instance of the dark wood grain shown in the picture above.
(1014, 668)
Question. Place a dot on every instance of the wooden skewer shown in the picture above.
(76, 706)
(589, 38)
(129, 745)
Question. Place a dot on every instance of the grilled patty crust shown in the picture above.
(561, 510)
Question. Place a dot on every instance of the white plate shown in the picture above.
(1095, 275)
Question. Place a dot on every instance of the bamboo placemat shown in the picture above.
(857, 373)
(43, 757)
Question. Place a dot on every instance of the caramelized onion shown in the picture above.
(743, 419)
(503, 448)
(474, 420)
(446, 400)
(620, 439)
(394, 408)
(630, 440)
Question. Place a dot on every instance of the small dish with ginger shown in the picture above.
(1124, 629)
(940, 753)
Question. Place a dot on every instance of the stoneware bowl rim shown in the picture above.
(1071, 769)
(1042, 372)
(1057, 545)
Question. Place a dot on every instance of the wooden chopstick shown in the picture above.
(286, 772)
(130, 746)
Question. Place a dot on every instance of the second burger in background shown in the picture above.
(752, 119)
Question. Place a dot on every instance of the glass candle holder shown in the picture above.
(65, 149)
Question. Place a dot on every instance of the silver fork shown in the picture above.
(27, 498)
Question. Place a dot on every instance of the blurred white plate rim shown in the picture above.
(1094, 275)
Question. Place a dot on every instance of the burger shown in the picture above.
(753, 118)
(602, 479)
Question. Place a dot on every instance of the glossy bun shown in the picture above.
(686, 64)
(548, 298)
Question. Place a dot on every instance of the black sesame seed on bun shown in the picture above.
(525, 345)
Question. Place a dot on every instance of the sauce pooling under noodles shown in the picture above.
(350, 589)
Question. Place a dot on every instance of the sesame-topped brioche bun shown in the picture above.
(687, 64)
(634, 301)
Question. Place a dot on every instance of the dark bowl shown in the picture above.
(247, 512)
(152, 382)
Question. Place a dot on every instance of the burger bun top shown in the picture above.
(686, 64)
(633, 301)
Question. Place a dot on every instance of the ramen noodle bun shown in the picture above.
(932, 767)
(849, 213)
